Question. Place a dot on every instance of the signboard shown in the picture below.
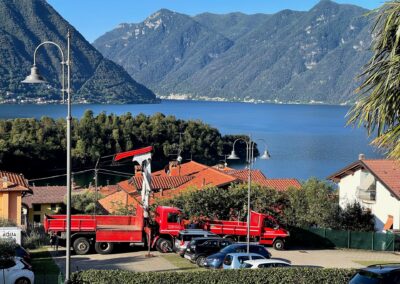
(11, 233)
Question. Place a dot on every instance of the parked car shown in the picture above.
(185, 236)
(199, 248)
(265, 263)
(236, 260)
(23, 253)
(377, 274)
(215, 260)
(15, 271)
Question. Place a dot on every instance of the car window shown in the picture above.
(223, 244)
(280, 265)
(366, 277)
(246, 265)
(241, 259)
(264, 265)
(228, 260)
(240, 249)
(6, 263)
(257, 257)
(173, 218)
(228, 249)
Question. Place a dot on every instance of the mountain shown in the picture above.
(26, 23)
(290, 56)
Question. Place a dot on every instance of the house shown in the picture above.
(13, 187)
(177, 178)
(375, 185)
(44, 200)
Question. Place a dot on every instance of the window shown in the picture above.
(241, 259)
(173, 218)
(228, 260)
(280, 265)
(37, 207)
(258, 257)
(36, 218)
(265, 265)
(53, 207)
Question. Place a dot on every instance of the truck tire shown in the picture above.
(163, 245)
(279, 244)
(200, 260)
(103, 247)
(81, 246)
(23, 280)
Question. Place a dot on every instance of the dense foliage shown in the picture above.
(286, 56)
(379, 100)
(314, 205)
(7, 223)
(30, 145)
(93, 77)
(270, 276)
(7, 248)
(85, 202)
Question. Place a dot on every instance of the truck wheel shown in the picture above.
(279, 244)
(200, 260)
(23, 280)
(81, 246)
(103, 248)
(163, 245)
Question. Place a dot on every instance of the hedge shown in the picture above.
(271, 276)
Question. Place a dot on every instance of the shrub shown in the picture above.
(35, 238)
(271, 276)
(6, 223)
(7, 248)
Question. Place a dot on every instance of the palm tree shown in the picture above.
(378, 108)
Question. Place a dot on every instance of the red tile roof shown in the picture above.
(45, 195)
(256, 175)
(281, 183)
(385, 170)
(15, 182)
(120, 198)
(185, 169)
(157, 183)
(109, 189)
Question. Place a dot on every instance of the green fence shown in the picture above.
(327, 238)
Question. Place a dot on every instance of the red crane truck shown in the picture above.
(263, 229)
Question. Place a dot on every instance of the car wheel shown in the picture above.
(81, 246)
(163, 245)
(103, 247)
(22, 280)
(200, 260)
(279, 244)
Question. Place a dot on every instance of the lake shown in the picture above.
(304, 140)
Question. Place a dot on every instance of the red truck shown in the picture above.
(103, 231)
(263, 229)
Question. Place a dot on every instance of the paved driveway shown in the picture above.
(133, 261)
(137, 260)
(335, 258)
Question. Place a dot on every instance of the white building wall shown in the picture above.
(384, 205)
(348, 189)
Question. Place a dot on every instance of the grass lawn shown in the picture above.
(372, 262)
(181, 263)
(46, 271)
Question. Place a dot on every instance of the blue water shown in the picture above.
(304, 140)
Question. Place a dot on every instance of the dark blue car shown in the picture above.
(215, 260)
(377, 274)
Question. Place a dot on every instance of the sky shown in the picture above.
(93, 18)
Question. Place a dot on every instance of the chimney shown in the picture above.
(174, 169)
(138, 171)
(361, 157)
(5, 182)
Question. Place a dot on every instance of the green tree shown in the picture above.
(379, 103)
(85, 202)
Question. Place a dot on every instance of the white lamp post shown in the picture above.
(35, 78)
(249, 160)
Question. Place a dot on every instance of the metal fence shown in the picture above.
(327, 238)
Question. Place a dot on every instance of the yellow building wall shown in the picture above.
(45, 209)
(10, 206)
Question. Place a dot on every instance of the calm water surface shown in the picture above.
(304, 140)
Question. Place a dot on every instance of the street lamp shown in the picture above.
(35, 78)
(249, 160)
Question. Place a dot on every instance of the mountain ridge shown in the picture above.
(289, 56)
(95, 79)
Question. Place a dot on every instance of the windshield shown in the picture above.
(366, 277)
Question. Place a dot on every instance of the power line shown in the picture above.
(56, 176)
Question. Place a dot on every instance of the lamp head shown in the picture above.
(233, 156)
(179, 159)
(34, 77)
(265, 155)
